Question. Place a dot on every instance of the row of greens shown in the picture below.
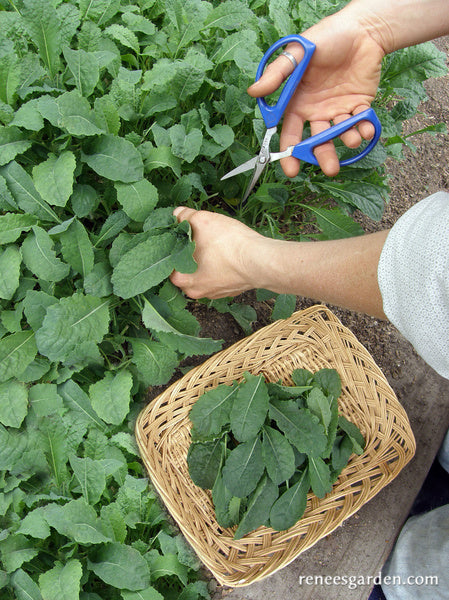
(111, 113)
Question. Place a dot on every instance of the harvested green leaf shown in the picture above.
(290, 506)
(250, 407)
(262, 446)
(244, 468)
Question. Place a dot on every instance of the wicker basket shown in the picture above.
(313, 339)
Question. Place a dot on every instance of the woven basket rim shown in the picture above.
(313, 336)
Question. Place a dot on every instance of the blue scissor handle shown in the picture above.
(304, 150)
(273, 114)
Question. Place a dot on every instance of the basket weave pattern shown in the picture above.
(312, 339)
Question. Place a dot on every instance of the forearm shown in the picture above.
(341, 272)
(396, 24)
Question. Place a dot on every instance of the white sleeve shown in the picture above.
(413, 277)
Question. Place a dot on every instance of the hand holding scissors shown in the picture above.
(272, 115)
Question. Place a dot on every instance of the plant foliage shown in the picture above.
(261, 447)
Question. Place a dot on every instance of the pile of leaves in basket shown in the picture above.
(111, 113)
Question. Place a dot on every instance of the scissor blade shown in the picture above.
(260, 166)
(246, 166)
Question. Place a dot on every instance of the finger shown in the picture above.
(276, 72)
(366, 128)
(291, 135)
(325, 153)
(182, 213)
(351, 138)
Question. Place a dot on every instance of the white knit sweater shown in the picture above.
(413, 277)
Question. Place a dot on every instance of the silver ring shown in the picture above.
(290, 57)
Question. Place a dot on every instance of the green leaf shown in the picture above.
(185, 145)
(144, 266)
(12, 225)
(166, 565)
(229, 15)
(35, 307)
(62, 582)
(74, 321)
(341, 451)
(13, 403)
(290, 506)
(91, 476)
(99, 11)
(34, 524)
(250, 407)
(320, 476)
(77, 249)
(149, 593)
(6, 199)
(329, 382)
(53, 178)
(12, 142)
(284, 306)
(369, 198)
(76, 520)
(188, 344)
(28, 116)
(15, 550)
(40, 258)
(54, 443)
(155, 361)
(116, 221)
(211, 412)
(300, 426)
(334, 224)
(243, 468)
(204, 460)
(45, 400)
(98, 281)
(75, 115)
(10, 261)
(278, 455)
(120, 566)
(44, 28)
(124, 36)
(25, 194)
(232, 43)
(78, 401)
(115, 158)
(110, 396)
(259, 506)
(24, 587)
(357, 439)
(416, 63)
(160, 158)
(17, 351)
(319, 405)
(84, 68)
(226, 505)
(138, 199)
(9, 79)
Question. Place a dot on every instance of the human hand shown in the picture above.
(224, 250)
(341, 80)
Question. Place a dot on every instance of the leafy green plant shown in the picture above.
(260, 447)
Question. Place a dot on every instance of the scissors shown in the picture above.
(272, 114)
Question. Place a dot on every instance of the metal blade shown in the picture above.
(260, 166)
(246, 166)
